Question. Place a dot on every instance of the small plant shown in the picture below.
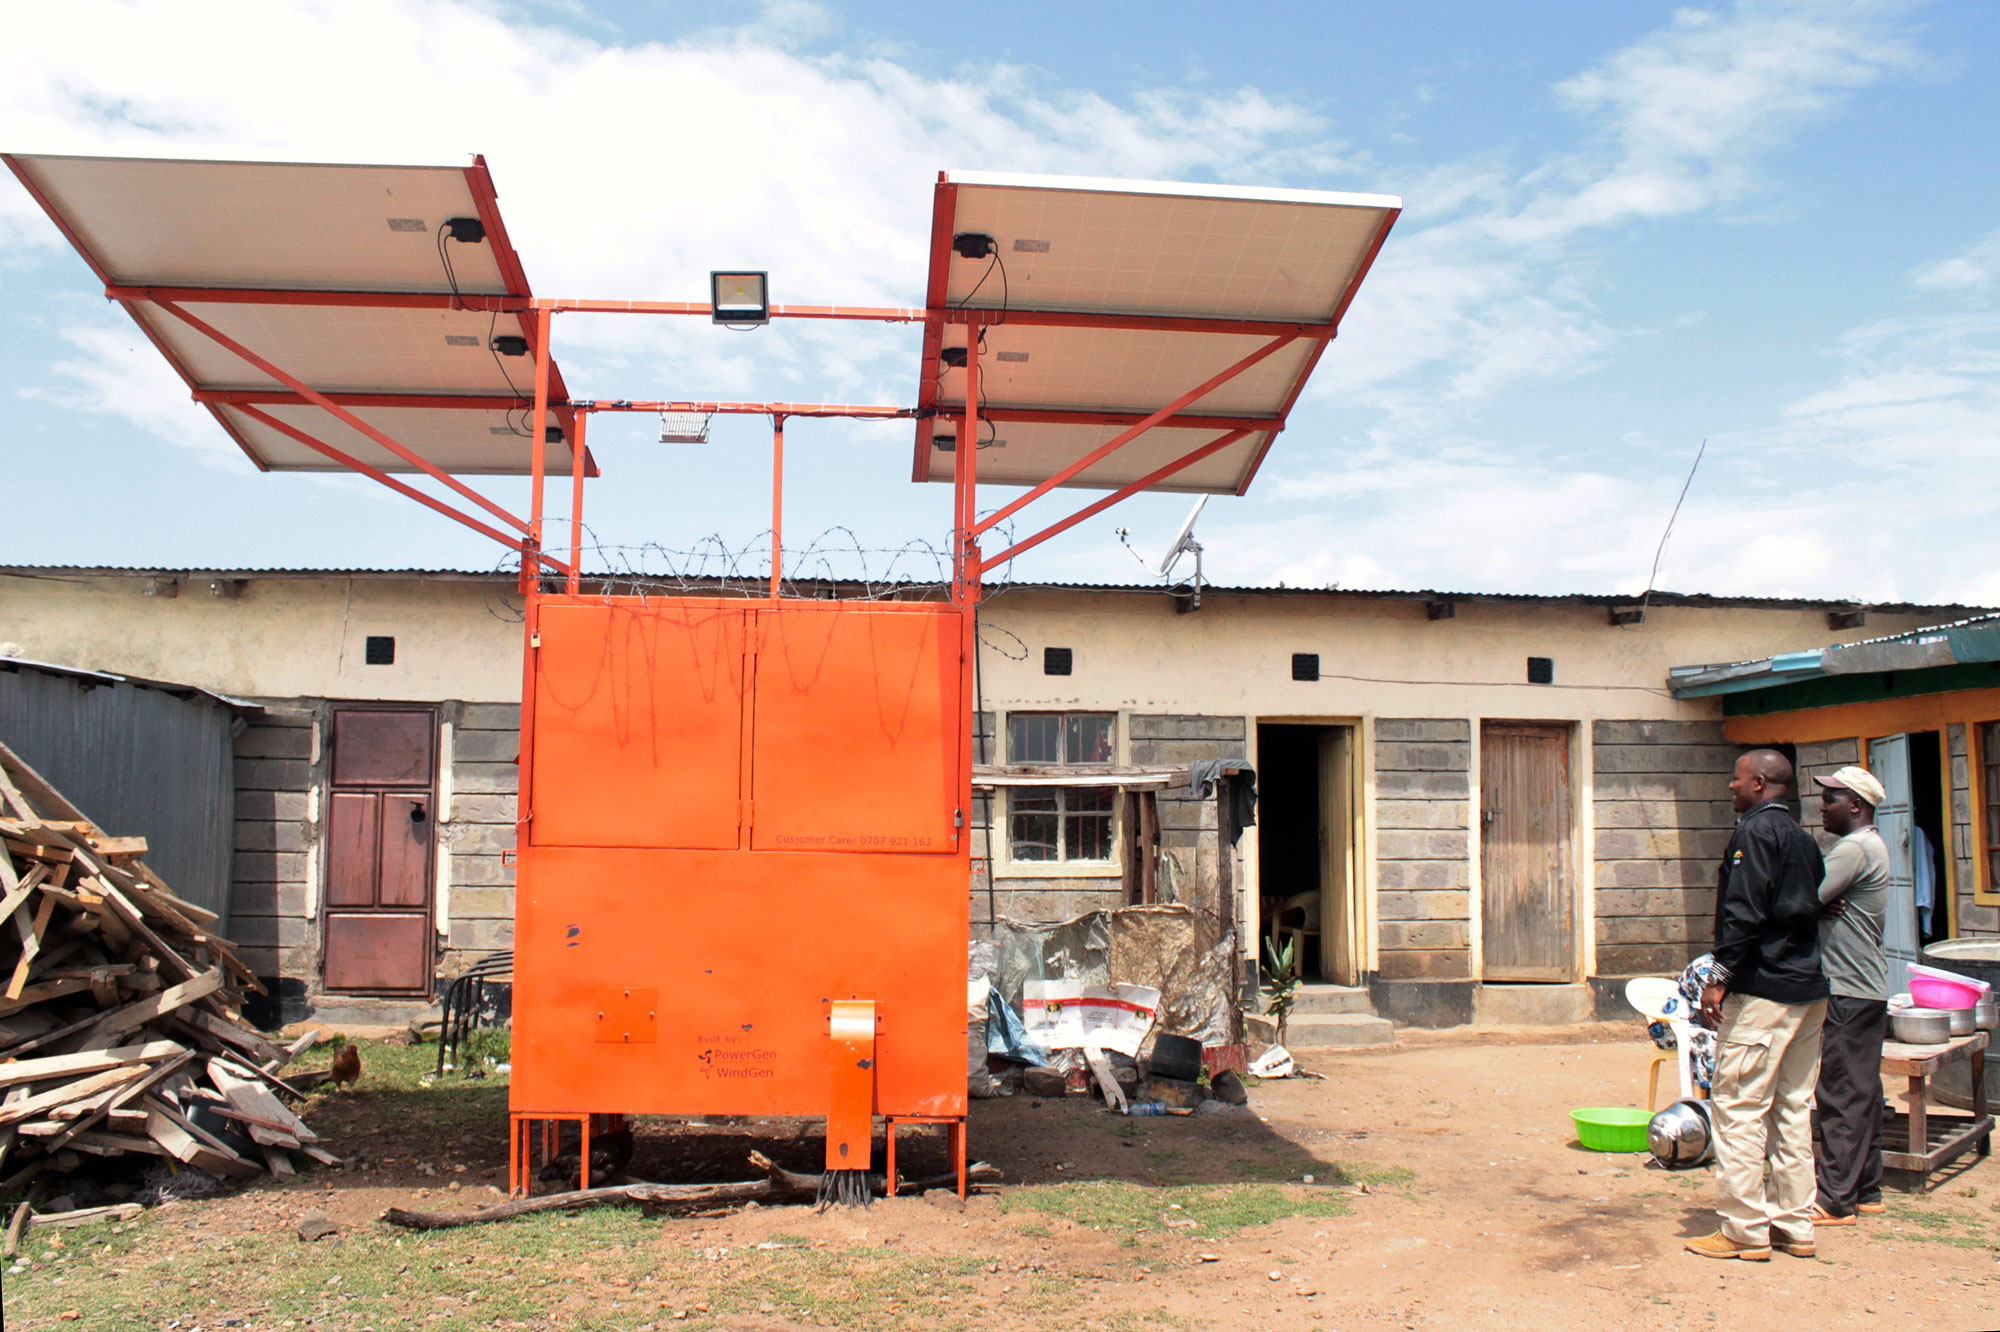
(1281, 981)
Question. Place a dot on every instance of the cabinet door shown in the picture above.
(857, 729)
(638, 726)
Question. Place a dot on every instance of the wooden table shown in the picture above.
(1929, 1141)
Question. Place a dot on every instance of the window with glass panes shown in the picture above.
(1056, 824)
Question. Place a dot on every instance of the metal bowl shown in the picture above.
(1921, 1026)
(1679, 1136)
(1986, 1013)
(1961, 1021)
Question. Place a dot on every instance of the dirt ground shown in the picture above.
(1446, 1190)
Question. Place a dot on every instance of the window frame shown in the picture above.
(1983, 795)
(1062, 866)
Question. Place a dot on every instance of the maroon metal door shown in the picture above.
(380, 830)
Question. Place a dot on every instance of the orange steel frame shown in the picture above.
(694, 904)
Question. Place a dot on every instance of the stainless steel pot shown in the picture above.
(1921, 1026)
(1986, 1013)
(1679, 1136)
(1961, 1021)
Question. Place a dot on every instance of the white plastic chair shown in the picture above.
(1658, 999)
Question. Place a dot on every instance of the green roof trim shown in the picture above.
(1831, 691)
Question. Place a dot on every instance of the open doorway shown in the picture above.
(1911, 820)
(1307, 867)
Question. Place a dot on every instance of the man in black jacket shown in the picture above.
(1767, 1000)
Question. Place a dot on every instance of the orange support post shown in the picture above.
(577, 455)
(777, 503)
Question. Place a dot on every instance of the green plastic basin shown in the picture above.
(1611, 1128)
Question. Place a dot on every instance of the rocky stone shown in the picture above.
(316, 1225)
(1046, 1082)
(1225, 1086)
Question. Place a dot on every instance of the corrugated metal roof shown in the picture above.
(1969, 641)
(1619, 600)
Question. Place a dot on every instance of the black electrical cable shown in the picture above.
(523, 404)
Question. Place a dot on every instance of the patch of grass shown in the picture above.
(1216, 1210)
(1128, 1129)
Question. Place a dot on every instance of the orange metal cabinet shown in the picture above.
(746, 952)
(856, 747)
(638, 724)
(657, 978)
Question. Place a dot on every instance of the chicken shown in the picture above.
(347, 1065)
(610, 1153)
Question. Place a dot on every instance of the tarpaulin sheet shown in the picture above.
(1167, 948)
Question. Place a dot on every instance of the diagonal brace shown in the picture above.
(1125, 437)
(377, 474)
(341, 414)
(1123, 493)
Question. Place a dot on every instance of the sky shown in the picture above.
(1768, 232)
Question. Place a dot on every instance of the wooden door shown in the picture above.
(1340, 953)
(1527, 901)
(381, 831)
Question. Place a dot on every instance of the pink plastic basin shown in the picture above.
(1936, 992)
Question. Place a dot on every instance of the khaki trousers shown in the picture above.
(1766, 1064)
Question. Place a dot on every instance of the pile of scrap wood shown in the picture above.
(120, 1030)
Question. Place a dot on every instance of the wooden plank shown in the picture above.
(115, 1144)
(119, 848)
(11, 903)
(187, 1142)
(15, 1112)
(161, 949)
(199, 915)
(12, 796)
(28, 782)
(36, 994)
(85, 1061)
(230, 1034)
(115, 1106)
(140, 1012)
(279, 1164)
(292, 1051)
(31, 943)
(253, 1100)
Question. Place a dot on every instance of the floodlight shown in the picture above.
(740, 298)
(683, 425)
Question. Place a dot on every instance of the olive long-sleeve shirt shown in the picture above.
(1767, 910)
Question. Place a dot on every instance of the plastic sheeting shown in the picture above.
(1168, 948)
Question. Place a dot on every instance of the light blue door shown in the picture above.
(1895, 818)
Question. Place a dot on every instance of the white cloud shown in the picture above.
(118, 373)
(1975, 270)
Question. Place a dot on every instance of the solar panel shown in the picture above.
(343, 277)
(1102, 301)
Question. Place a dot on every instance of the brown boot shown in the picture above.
(1798, 1248)
(1719, 1245)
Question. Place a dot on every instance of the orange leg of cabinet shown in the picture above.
(956, 1127)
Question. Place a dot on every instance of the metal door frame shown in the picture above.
(323, 841)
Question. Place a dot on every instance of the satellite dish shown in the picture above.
(1184, 543)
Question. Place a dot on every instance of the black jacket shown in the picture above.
(1767, 910)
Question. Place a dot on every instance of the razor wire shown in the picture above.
(835, 565)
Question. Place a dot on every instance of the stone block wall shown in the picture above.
(476, 837)
(281, 775)
(1423, 796)
(273, 893)
(1660, 803)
